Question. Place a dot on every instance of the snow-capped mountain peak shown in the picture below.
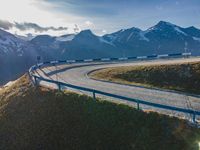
(166, 28)
(8, 42)
(180, 31)
(65, 38)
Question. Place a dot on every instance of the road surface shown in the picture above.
(77, 74)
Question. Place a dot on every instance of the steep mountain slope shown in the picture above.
(131, 41)
(168, 38)
(87, 45)
(192, 31)
(162, 38)
(16, 56)
(47, 47)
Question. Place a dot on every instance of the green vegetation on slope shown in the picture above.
(182, 77)
(45, 119)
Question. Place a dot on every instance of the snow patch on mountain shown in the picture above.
(179, 31)
(112, 38)
(150, 29)
(28, 37)
(168, 23)
(143, 37)
(10, 43)
(196, 39)
(122, 30)
(101, 39)
(131, 34)
(9, 40)
(65, 38)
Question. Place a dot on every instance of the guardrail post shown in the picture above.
(138, 105)
(35, 80)
(194, 118)
(59, 86)
(94, 96)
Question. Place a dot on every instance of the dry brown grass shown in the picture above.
(40, 118)
(181, 77)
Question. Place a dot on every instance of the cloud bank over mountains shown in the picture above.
(36, 27)
(28, 27)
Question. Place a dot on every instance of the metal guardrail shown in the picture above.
(118, 59)
(36, 78)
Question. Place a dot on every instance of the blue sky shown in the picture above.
(104, 16)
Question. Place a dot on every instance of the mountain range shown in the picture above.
(18, 53)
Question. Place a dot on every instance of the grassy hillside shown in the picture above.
(44, 119)
(181, 77)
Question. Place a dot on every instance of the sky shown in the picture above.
(58, 17)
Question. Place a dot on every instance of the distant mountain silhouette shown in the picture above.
(18, 54)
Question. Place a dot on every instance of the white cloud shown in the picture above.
(104, 31)
(89, 23)
(15, 30)
(36, 11)
(23, 11)
(45, 14)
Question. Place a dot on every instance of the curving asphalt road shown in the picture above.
(76, 74)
